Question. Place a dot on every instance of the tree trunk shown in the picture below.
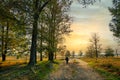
(37, 11)
(34, 42)
(41, 58)
(33, 45)
(6, 42)
(51, 56)
(55, 55)
(34, 35)
(96, 50)
(3, 55)
(50, 51)
(116, 52)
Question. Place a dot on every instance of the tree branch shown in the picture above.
(41, 8)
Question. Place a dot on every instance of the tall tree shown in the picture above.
(42, 35)
(58, 23)
(73, 54)
(26, 12)
(37, 10)
(6, 41)
(95, 41)
(9, 19)
(2, 45)
(115, 22)
(90, 51)
(80, 53)
(62, 50)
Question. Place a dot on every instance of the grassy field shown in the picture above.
(107, 67)
(12, 60)
(18, 70)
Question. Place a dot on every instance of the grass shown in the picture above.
(23, 72)
(107, 75)
(107, 67)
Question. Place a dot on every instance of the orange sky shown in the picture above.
(93, 19)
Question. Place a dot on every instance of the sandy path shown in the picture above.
(75, 70)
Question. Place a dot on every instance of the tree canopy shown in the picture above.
(115, 22)
(23, 17)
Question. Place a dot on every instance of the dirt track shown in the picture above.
(75, 70)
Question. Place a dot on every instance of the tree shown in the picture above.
(5, 42)
(95, 39)
(2, 45)
(115, 22)
(87, 2)
(41, 35)
(90, 51)
(4, 38)
(58, 24)
(25, 12)
(80, 53)
(4, 24)
(67, 54)
(37, 10)
(62, 50)
(109, 52)
(73, 54)
(116, 52)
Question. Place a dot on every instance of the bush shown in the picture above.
(109, 52)
(108, 65)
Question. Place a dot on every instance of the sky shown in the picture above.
(86, 21)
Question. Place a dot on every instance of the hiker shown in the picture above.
(67, 59)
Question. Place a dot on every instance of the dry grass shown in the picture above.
(11, 60)
(111, 65)
(11, 70)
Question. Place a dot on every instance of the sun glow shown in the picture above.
(93, 19)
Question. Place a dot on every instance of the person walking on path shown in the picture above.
(67, 59)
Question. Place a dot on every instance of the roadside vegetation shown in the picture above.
(107, 67)
(21, 71)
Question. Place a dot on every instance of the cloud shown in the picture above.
(94, 18)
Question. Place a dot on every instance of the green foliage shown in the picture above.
(54, 24)
(39, 72)
(80, 53)
(90, 51)
(22, 14)
(87, 2)
(109, 52)
(107, 75)
(67, 54)
(115, 22)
